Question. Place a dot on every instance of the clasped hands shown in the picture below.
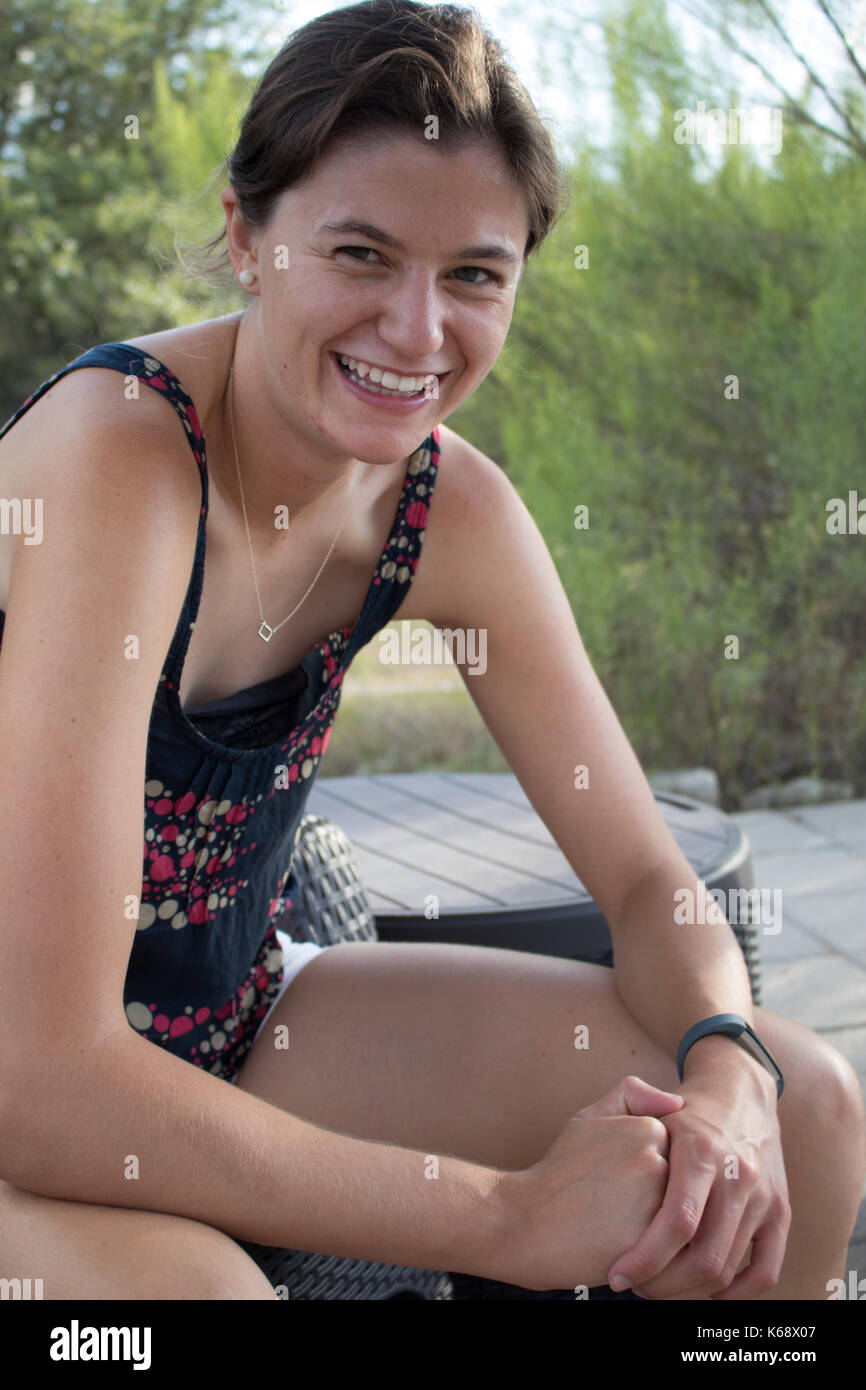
(726, 1191)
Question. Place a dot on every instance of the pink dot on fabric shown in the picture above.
(315, 745)
(161, 1021)
(161, 868)
(327, 738)
(201, 1015)
(293, 772)
(170, 832)
(187, 859)
(235, 814)
(184, 803)
(163, 806)
(222, 1012)
(198, 912)
(180, 1025)
(213, 864)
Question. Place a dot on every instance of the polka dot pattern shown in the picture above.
(221, 822)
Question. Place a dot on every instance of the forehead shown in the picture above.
(406, 185)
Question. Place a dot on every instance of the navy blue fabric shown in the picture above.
(256, 716)
(221, 821)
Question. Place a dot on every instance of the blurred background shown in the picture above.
(695, 375)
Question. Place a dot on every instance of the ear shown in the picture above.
(241, 239)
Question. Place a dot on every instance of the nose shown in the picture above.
(412, 319)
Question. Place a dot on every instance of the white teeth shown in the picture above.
(387, 381)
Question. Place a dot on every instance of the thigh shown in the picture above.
(81, 1250)
(449, 1049)
(465, 1050)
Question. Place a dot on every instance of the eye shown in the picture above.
(492, 277)
(347, 250)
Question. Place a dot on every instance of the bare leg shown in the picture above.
(470, 1051)
(82, 1251)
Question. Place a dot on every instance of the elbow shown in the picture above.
(43, 1103)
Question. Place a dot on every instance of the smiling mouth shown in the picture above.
(374, 380)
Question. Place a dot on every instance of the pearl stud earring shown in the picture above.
(247, 277)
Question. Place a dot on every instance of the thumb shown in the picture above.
(633, 1096)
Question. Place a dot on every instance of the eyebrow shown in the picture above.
(488, 251)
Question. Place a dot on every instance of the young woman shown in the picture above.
(390, 180)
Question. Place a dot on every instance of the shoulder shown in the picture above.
(86, 436)
(466, 474)
(474, 499)
(91, 399)
(95, 402)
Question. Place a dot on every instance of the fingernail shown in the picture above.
(619, 1282)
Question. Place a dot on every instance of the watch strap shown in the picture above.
(736, 1027)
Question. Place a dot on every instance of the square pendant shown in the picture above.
(266, 632)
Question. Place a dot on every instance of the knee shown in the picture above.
(236, 1276)
(828, 1092)
(208, 1264)
(837, 1086)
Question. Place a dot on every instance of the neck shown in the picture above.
(281, 465)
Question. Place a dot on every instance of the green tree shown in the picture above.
(707, 502)
(87, 155)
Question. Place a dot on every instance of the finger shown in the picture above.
(707, 1290)
(633, 1096)
(690, 1182)
(768, 1254)
(714, 1252)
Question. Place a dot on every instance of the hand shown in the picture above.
(592, 1195)
(726, 1191)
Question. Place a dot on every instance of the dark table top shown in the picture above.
(475, 840)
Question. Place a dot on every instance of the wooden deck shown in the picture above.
(475, 842)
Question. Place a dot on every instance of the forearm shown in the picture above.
(670, 975)
(200, 1148)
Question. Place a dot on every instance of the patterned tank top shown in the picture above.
(224, 795)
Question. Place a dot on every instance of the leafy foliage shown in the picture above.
(707, 511)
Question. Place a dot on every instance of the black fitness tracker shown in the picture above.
(737, 1028)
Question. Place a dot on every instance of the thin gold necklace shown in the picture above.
(266, 632)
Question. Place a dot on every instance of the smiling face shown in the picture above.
(421, 284)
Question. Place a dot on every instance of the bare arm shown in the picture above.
(80, 1091)
(222, 1156)
(547, 710)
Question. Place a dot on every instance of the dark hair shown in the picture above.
(386, 64)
